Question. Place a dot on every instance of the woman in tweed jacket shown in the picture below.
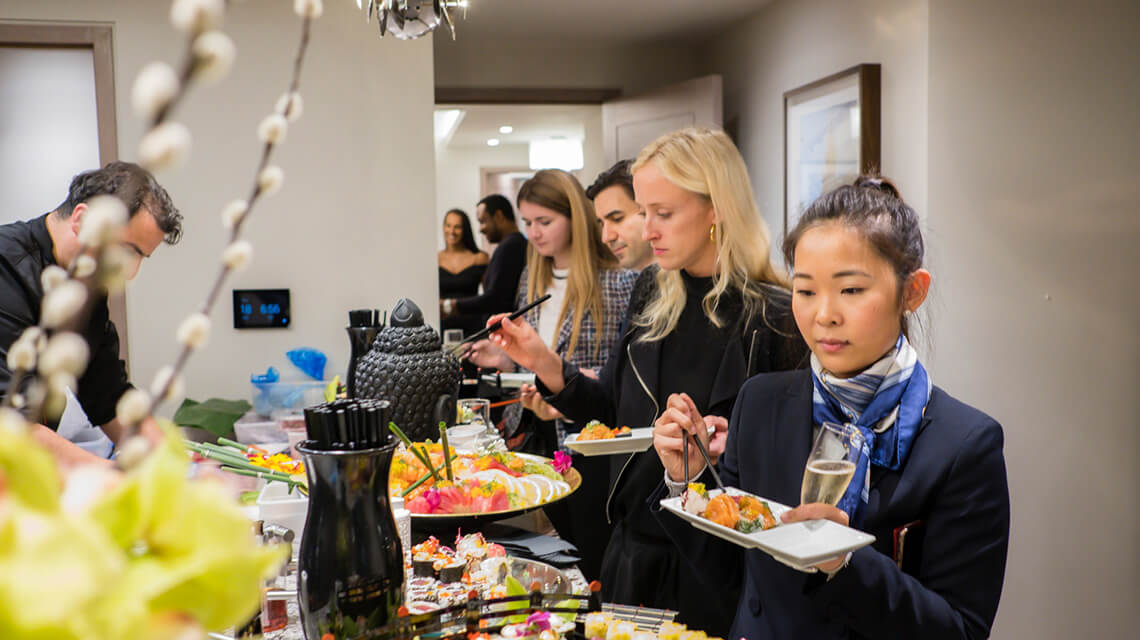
(581, 322)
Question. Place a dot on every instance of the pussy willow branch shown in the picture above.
(16, 380)
(235, 233)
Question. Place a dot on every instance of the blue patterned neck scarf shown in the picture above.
(886, 403)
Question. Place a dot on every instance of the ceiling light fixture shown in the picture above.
(506, 128)
(492, 142)
(410, 19)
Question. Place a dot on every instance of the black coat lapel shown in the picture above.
(644, 361)
(790, 443)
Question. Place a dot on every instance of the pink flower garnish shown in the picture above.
(432, 497)
(561, 462)
(539, 621)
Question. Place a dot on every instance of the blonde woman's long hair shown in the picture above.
(707, 163)
(562, 193)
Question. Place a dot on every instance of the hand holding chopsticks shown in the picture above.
(679, 423)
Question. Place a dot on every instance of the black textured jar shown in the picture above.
(350, 566)
(407, 367)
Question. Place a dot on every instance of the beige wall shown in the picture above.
(470, 62)
(1034, 222)
(789, 44)
(1011, 127)
(357, 202)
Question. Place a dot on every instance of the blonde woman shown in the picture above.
(711, 313)
(580, 322)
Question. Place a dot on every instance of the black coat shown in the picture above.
(641, 566)
(953, 480)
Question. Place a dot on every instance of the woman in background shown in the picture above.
(581, 322)
(461, 267)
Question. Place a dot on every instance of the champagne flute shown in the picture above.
(834, 457)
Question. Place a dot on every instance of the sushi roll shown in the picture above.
(596, 624)
(423, 565)
(452, 571)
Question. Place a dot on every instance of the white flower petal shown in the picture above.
(237, 255)
(85, 266)
(165, 146)
(132, 407)
(22, 356)
(270, 179)
(308, 8)
(214, 54)
(52, 277)
(162, 379)
(290, 105)
(192, 16)
(62, 303)
(194, 331)
(156, 85)
(66, 352)
(233, 213)
(101, 222)
(273, 128)
(113, 268)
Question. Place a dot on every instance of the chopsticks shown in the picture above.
(479, 335)
(707, 457)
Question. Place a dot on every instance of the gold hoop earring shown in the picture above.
(712, 233)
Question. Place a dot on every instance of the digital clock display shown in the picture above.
(261, 308)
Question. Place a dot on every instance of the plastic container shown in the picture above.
(276, 505)
(255, 429)
(268, 397)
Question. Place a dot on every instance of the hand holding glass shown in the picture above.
(834, 456)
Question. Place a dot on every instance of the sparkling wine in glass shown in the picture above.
(834, 456)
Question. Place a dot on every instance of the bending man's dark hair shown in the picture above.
(131, 184)
(467, 237)
(496, 202)
(617, 175)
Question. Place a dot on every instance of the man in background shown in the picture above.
(622, 220)
(28, 248)
(497, 223)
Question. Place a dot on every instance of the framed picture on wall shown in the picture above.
(831, 135)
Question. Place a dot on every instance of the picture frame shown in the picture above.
(831, 135)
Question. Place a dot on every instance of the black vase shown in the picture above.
(350, 566)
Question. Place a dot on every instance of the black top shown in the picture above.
(461, 285)
(641, 565)
(501, 281)
(25, 251)
(683, 368)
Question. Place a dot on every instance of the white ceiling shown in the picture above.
(601, 20)
(529, 121)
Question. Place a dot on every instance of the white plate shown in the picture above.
(638, 440)
(799, 545)
(509, 380)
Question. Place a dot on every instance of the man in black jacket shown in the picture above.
(28, 248)
(500, 283)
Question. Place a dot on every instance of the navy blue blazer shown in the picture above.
(954, 479)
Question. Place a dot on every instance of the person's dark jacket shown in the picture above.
(501, 282)
(954, 481)
(626, 393)
(25, 251)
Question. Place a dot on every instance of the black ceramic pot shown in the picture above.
(350, 566)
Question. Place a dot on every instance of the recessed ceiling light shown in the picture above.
(492, 142)
(506, 128)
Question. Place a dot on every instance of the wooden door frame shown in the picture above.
(99, 38)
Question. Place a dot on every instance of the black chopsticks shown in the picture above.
(479, 335)
(348, 424)
(705, 453)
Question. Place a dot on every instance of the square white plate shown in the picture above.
(799, 545)
(638, 440)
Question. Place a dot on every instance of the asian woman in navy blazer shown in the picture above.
(933, 460)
